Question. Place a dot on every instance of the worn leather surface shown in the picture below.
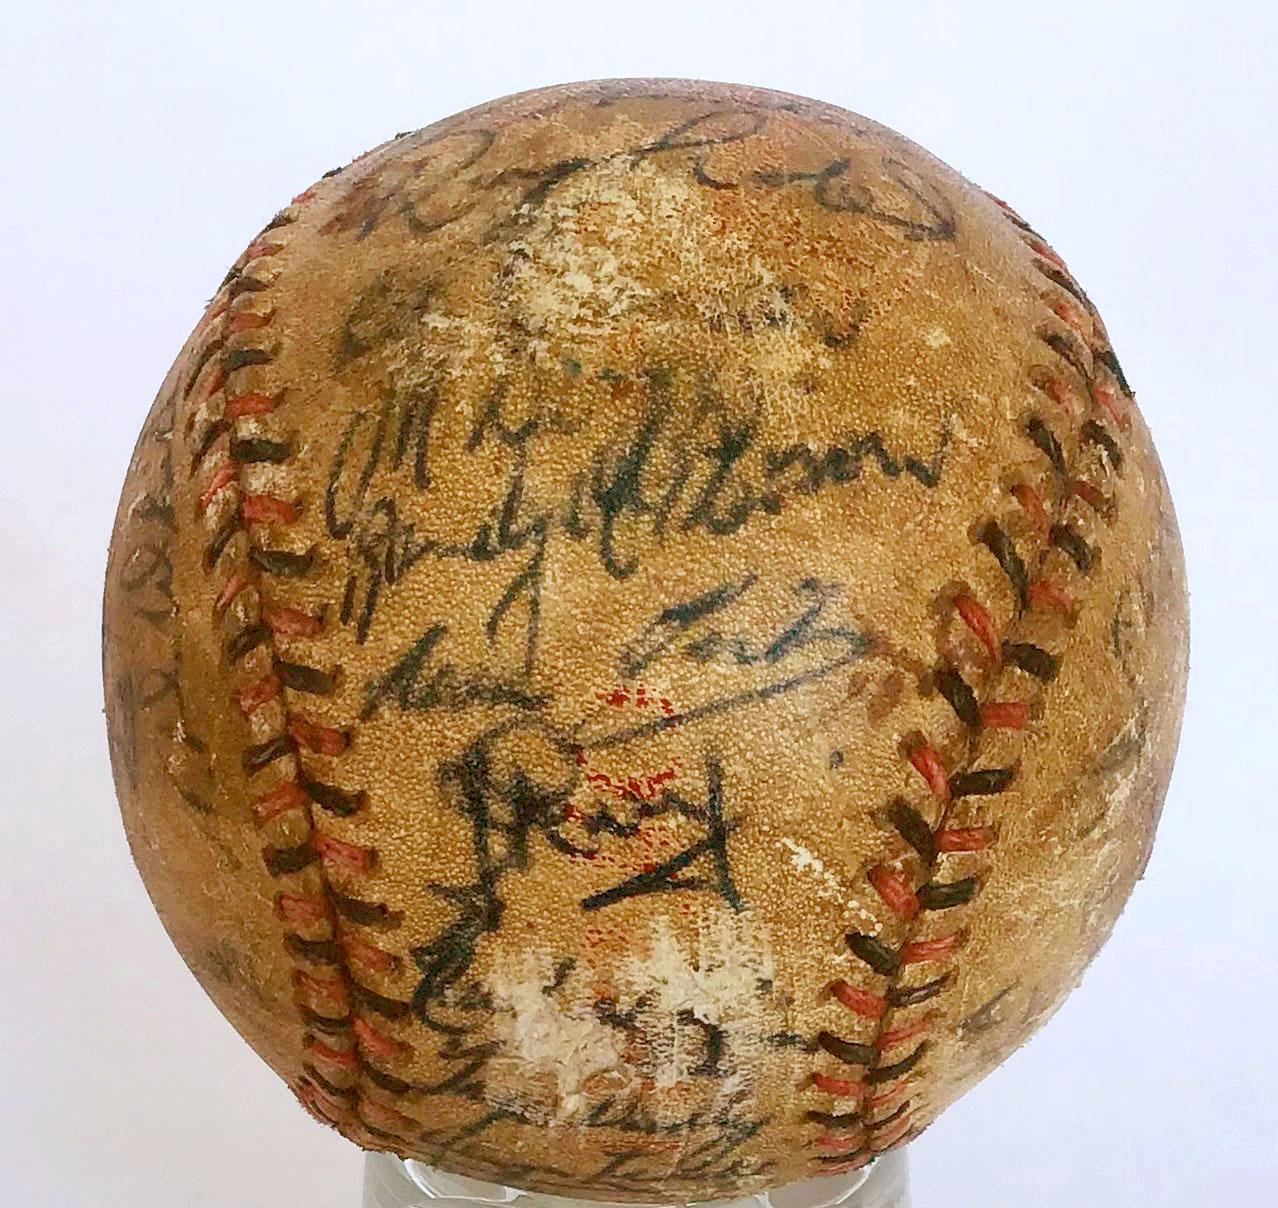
(609, 567)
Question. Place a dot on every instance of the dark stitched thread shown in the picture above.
(389, 1083)
(1110, 361)
(340, 802)
(1034, 659)
(389, 1008)
(302, 678)
(1000, 545)
(896, 1115)
(283, 860)
(1045, 440)
(321, 952)
(1066, 538)
(240, 358)
(366, 914)
(909, 996)
(981, 782)
(846, 1050)
(912, 827)
(213, 551)
(873, 952)
(349, 1093)
(1064, 280)
(959, 694)
(839, 1121)
(1097, 434)
(248, 450)
(886, 1073)
(254, 758)
(281, 562)
(330, 1025)
(244, 285)
(941, 895)
(249, 638)
(207, 440)
(206, 355)
(1065, 348)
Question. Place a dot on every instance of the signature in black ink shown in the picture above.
(517, 779)
(444, 181)
(706, 471)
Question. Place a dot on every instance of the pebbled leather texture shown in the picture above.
(644, 639)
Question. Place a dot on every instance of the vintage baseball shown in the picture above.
(645, 637)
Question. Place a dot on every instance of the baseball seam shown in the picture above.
(918, 885)
(324, 928)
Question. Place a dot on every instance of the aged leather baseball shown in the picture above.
(645, 638)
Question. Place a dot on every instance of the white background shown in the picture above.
(143, 144)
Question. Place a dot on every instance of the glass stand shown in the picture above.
(392, 1183)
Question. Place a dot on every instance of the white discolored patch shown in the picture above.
(545, 1041)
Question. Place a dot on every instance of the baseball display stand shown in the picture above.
(391, 1182)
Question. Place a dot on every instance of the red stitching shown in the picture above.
(347, 857)
(322, 740)
(928, 765)
(259, 693)
(289, 796)
(378, 1044)
(890, 1039)
(863, 1002)
(266, 509)
(979, 621)
(222, 477)
(840, 1088)
(970, 838)
(918, 952)
(237, 582)
(251, 402)
(1048, 594)
(1005, 715)
(291, 622)
(893, 888)
(302, 910)
(1033, 504)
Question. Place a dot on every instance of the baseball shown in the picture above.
(645, 636)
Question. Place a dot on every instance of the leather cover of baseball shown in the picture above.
(645, 638)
